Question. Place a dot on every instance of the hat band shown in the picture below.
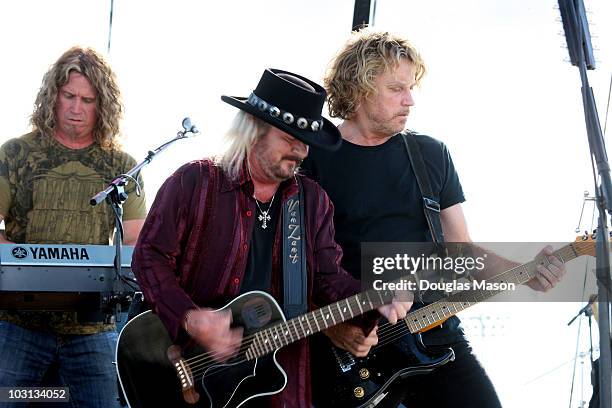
(287, 117)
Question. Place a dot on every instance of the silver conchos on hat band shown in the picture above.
(287, 117)
(274, 111)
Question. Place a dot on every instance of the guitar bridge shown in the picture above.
(344, 359)
(184, 374)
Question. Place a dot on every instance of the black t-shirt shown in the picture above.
(258, 273)
(377, 198)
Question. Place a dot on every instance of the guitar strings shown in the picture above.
(201, 361)
(387, 332)
(199, 370)
(310, 320)
(565, 253)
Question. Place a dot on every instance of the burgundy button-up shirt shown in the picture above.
(193, 251)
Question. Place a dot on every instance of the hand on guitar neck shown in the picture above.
(550, 271)
(212, 331)
(353, 339)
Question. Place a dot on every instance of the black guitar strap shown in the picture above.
(431, 207)
(294, 255)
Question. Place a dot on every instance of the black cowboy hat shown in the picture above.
(292, 104)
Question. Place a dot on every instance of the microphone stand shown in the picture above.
(575, 25)
(588, 312)
(115, 195)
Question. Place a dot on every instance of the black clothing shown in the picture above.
(258, 273)
(377, 199)
(462, 383)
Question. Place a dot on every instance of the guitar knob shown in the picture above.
(364, 373)
(359, 392)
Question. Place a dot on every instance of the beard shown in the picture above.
(277, 169)
(385, 125)
(285, 168)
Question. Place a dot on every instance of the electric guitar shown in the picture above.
(154, 372)
(341, 380)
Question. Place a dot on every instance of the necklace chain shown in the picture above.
(264, 217)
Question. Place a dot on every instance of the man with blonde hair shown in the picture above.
(218, 229)
(47, 178)
(378, 198)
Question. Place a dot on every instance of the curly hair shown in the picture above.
(351, 74)
(109, 106)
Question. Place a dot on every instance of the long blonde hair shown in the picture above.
(245, 129)
(109, 107)
(350, 75)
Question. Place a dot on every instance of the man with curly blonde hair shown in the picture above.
(46, 180)
(377, 198)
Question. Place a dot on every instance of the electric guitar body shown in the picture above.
(342, 380)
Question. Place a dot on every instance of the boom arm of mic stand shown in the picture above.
(131, 174)
(116, 195)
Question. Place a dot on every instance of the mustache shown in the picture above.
(298, 160)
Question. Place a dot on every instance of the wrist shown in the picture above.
(185, 322)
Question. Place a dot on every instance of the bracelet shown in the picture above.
(186, 319)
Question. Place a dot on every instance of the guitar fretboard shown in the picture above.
(435, 313)
(282, 334)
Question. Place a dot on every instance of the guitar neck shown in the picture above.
(436, 313)
(282, 334)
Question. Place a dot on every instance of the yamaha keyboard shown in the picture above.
(63, 277)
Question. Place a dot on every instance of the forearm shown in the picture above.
(156, 275)
(494, 264)
(131, 230)
(3, 239)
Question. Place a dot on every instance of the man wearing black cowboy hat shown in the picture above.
(217, 229)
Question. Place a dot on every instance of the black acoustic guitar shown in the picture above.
(341, 380)
(154, 372)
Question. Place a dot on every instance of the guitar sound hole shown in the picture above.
(256, 313)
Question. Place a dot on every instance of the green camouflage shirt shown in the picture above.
(45, 189)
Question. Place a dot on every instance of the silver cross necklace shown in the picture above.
(264, 217)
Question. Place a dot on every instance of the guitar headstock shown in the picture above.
(587, 242)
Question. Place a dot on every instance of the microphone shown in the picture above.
(587, 310)
(189, 127)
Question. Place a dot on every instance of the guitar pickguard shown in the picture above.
(364, 381)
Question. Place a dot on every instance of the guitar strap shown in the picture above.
(431, 207)
(294, 255)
